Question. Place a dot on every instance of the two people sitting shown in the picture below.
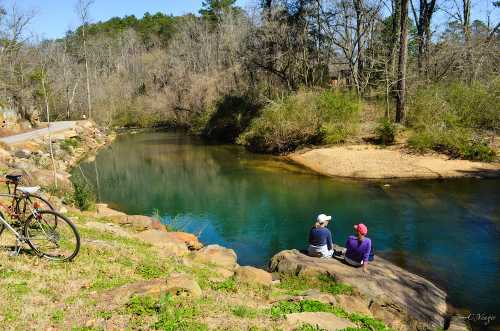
(358, 246)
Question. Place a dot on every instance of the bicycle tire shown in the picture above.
(45, 202)
(37, 220)
(2, 226)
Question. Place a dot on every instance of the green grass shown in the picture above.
(151, 269)
(142, 305)
(57, 316)
(228, 285)
(309, 327)
(282, 308)
(296, 285)
(244, 312)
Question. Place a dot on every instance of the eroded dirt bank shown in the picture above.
(373, 162)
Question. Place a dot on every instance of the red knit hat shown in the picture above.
(361, 228)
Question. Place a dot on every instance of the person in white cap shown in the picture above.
(320, 238)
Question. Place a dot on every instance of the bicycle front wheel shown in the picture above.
(52, 235)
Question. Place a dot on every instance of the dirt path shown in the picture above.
(54, 127)
(372, 162)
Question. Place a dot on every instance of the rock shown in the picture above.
(353, 304)
(398, 297)
(322, 320)
(177, 284)
(22, 154)
(4, 155)
(190, 239)
(458, 323)
(221, 274)
(317, 295)
(181, 284)
(160, 239)
(218, 256)
(136, 222)
(112, 228)
(251, 275)
(45, 178)
(157, 225)
(104, 211)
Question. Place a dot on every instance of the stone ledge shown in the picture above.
(403, 300)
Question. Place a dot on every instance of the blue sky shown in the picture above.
(54, 17)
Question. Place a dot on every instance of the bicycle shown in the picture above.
(49, 233)
(20, 195)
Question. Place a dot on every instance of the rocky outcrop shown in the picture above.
(175, 284)
(182, 284)
(251, 275)
(163, 241)
(320, 320)
(217, 256)
(188, 238)
(399, 298)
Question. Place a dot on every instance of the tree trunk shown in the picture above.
(403, 51)
(358, 7)
(89, 101)
(47, 109)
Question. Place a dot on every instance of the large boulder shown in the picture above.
(321, 320)
(135, 222)
(160, 239)
(251, 275)
(104, 211)
(176, 284)
(188, 238)
(399, 298)
(218, 256)
(181, 284)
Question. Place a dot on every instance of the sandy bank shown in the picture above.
(373, 162)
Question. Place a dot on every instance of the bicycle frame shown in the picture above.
(11, 229)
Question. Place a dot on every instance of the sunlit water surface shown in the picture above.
(448, 231)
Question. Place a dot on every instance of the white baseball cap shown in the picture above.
(322, 218)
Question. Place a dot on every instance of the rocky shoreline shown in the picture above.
(400, 299)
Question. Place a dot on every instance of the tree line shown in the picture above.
(176, 70)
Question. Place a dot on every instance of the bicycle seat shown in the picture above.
(14, 178)
(29, 190)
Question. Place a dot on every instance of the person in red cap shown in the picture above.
(358, 247)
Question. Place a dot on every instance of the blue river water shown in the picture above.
(448, 231)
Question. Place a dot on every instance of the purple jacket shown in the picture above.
(358, 250)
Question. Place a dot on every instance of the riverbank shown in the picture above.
(133, 273)
(363, 161)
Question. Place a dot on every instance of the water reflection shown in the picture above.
(258, 205)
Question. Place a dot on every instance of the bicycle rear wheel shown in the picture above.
(52, 235)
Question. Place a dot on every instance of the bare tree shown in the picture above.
(422, 19)
(82, 9)
(403, 52)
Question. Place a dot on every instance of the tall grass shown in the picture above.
(455, 119)
(306, 117)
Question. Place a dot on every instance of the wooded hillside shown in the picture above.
(215, 71)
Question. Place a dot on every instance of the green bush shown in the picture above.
(385, 131)
(83, 195)
(457, 143)
(303, 118)
(454, 119)
(69, 144)
(339, 114)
